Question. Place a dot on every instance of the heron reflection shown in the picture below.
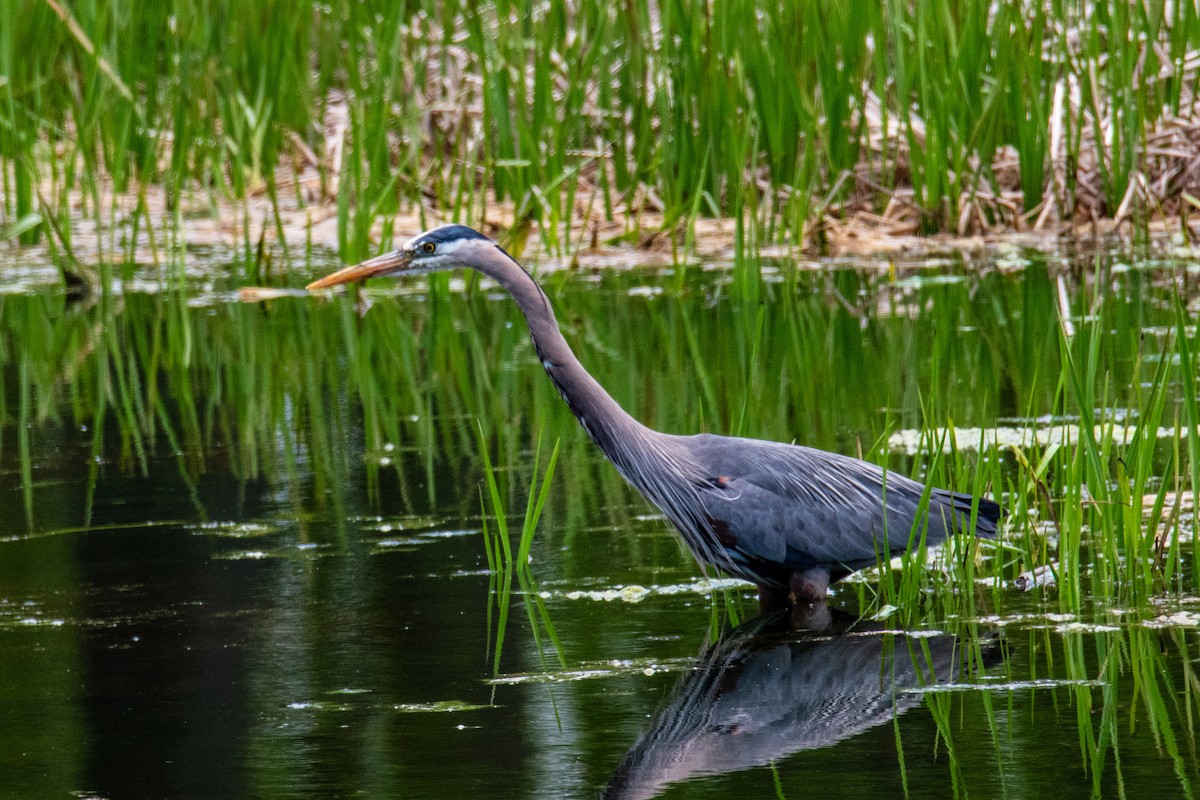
(767, 690)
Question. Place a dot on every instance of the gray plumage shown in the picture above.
(786, 517)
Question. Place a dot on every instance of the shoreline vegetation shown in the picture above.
(129, 130)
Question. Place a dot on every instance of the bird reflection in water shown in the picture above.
(777, 685)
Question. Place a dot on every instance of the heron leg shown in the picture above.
(809, 585)
(771, 598)
(805, 586)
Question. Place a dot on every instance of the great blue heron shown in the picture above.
(791, 519)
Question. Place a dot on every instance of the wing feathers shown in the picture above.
(798, 507)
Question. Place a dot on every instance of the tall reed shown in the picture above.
(569, 116)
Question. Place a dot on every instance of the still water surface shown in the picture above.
(240, 552)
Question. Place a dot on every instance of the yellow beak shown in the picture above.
(385, 264)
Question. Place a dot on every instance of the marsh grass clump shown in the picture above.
(1121, 478)
(1092, 454)
(597, 122)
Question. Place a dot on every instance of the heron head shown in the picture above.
(442, 248)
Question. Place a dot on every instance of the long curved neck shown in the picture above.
(609, 425)
(656, 464)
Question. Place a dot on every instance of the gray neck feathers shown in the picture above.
(658, 465)
(622, 438)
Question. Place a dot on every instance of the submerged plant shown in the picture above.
(503, 564)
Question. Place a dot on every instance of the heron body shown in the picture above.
(789, 518)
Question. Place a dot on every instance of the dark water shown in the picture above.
(241, 552)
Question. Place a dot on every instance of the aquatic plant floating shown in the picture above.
(790, 519)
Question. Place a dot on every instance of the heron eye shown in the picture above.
(429, 247)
